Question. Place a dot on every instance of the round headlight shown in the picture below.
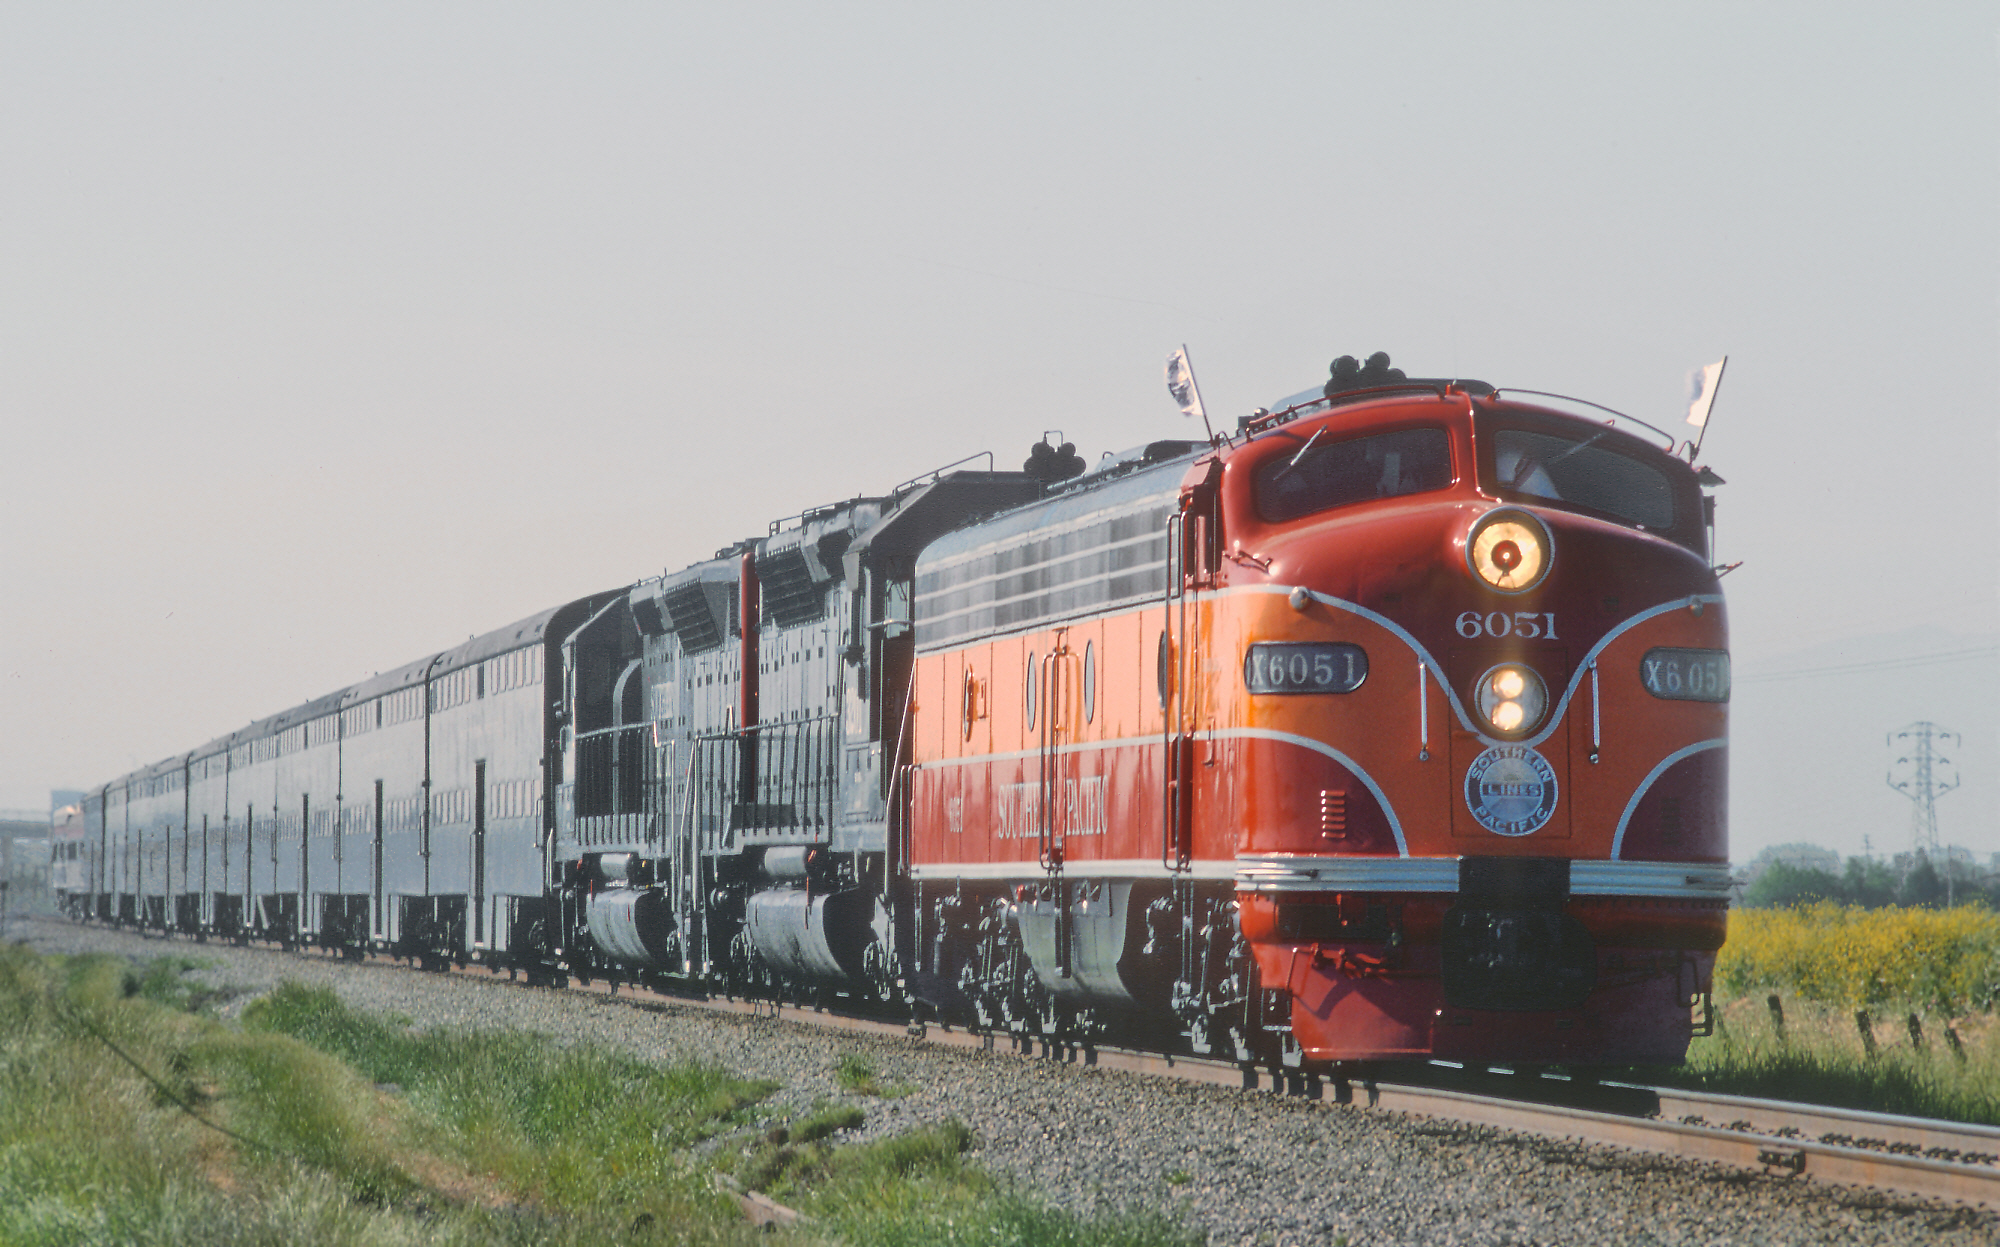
(1512, 699)
(1509, 551)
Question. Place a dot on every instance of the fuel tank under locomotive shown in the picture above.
(802, 928)
(836, 937)
(832, 938)
(630, 922)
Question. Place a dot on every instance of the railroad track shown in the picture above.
(1901, 1155)
(1905, 1155)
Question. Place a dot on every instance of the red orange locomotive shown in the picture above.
(1391, 727)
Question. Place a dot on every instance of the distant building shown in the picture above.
(29, 856)
(24, 867)
(23, 823)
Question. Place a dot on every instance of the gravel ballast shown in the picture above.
(1247, 1167)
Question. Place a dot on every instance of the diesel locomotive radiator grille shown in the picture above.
(791, 595)
(692, 617)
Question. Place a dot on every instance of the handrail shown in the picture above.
(896, 833)
(1570, 398)
(1053, 839)
(597, 732)
(1049, 853)
(1170, 674)
(803, 772)
(697, 890)
(739, 733)
(811, 513)
(935, 474)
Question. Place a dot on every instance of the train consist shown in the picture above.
(1391, 727)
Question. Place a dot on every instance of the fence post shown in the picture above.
(1777, 1008)
(1916, 1034)
(1861, 1023)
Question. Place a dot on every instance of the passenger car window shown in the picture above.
(1325, 474)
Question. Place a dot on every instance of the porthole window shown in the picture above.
(1089, 682)
(1028, 691)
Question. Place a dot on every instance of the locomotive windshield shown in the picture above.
(1581, 473)
(1324, 474)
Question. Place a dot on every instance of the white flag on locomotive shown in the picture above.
(1703, 382)
(1180, 384)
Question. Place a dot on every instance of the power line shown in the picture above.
(1877, 664)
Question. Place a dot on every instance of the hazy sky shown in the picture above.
(332, 334)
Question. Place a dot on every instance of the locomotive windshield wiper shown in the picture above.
(1280, 474)
(1527, 465)
(1572, 450)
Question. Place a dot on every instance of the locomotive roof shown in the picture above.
(1312, 404)
(952, 501)
(1098, 543)
(1302, 401)
(1087, 495)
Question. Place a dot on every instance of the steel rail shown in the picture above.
(1747, 1147)
(1925, 1136)
(1909, 1156)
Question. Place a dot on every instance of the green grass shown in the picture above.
(857, 1076)
(569, 1128)
(827, 1120)
(92, 1150)
(312, 1122)
(165, 981)
(496, 1138)
(918, 1189)
(790, 1151)
(1820, 1058)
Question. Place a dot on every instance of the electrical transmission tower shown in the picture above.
(1923, 774)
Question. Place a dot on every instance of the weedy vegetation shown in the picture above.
(166, 981)
(130, 1114)
(1889, 1009)
(1942, 960)
(917, 1189)
(856, 1076)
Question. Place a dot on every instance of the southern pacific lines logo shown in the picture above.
(1079, 809)
(1511, 790)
